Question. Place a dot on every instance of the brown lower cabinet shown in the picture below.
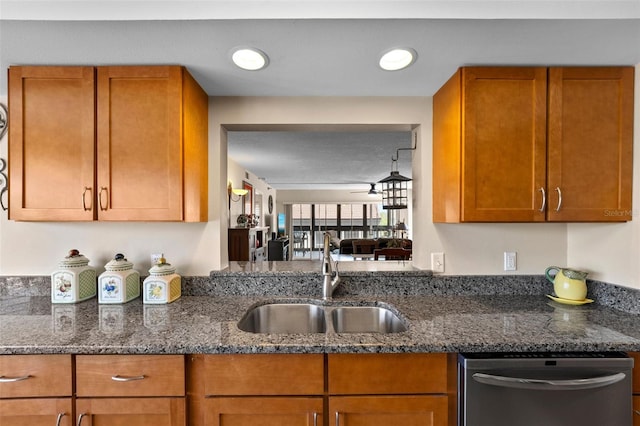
(636, 410)
(138, 390)
(36, 390)
(316, 390)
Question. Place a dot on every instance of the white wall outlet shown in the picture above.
(510, 261)
(155, 257)
(437, 262)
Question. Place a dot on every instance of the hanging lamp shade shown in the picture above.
(394, 191)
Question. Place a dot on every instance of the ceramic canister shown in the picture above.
(74, 280)
(119, 283)
(162, 285)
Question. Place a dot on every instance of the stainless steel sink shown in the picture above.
(366, 319)
(284, 318)
(304, 318)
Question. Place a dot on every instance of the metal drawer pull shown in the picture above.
(60, 416)
(80, 418)
(103, 189)
(4, 379)
(337, 418)
(84, 199)
(559, 198)
(544, 199)
(119, 378)
(637, 412)
(523, 383)
(315, 419)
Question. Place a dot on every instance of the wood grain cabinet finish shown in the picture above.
(136, 390)
(256, 389)
(107, 143)
(533, 144)
(390, 389)
(36, 390)
(406, 410)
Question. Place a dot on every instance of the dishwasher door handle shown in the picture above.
(537, 384)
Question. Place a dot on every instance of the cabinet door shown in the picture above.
(139, 132)
(636, 411)
(590, 144)
(36, 412)
(131, 411)
(504, 144)
(263, 411)
(388, 410)
(51, 143)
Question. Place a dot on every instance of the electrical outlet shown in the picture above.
(437, 262)
(155, 257)
(510, 261)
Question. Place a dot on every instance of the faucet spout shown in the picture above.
(329, 282)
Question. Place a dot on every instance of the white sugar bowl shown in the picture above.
(74, 280)
(162, 285)
(119, 283)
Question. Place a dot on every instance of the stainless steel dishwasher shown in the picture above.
(545, 389)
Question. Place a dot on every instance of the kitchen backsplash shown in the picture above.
(302, 283)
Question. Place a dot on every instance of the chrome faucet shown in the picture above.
(329, 282)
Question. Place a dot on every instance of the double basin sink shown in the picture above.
(304, 318)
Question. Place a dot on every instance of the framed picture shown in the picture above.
(247, 199)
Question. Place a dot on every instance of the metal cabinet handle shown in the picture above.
(637, 412)
(559, 198)
(103, 189)
(337, 418)
(84, 199)
(315, 419)
(80, 419)
(60, 416)
(4, 379)
(119, 378)
(524, 383)
(544, 199)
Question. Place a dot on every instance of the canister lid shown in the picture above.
(118, 263)
(74, 259)
(162, 268)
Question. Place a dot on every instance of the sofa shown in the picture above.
(346, 245)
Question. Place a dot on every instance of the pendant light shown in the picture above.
(394, 189)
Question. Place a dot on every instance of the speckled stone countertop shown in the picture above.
(443, 314)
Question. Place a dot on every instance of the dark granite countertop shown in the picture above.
(207, 324)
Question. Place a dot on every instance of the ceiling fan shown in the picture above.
(372, 191)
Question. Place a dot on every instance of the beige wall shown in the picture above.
(469, 249)
(610, 251)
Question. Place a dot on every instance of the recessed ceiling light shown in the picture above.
(397, 59)
(249, 58)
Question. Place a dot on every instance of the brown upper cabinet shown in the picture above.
(533, 144)
(123, 143)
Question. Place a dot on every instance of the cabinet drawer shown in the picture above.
(130, 375)
(376, 374)
(264, 374)
(35, 375)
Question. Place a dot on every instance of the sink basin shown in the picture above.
(366, 319)
(284, 318)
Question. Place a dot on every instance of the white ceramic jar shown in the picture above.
(119, 283)
(74, 280)
(162, 285)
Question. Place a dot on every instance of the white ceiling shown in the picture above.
(320, 48)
